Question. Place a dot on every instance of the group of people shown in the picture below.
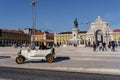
(103, 46)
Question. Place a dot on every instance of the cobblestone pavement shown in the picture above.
(73, 59)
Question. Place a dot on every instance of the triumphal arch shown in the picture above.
(99, 32)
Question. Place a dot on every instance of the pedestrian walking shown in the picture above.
(113, 46)
(110, 44)
(100, 46)
(104, 46)
(94, 46)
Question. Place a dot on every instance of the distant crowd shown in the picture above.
(103, 46)
(96, 46)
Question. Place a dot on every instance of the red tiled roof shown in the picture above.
(50, 34)
(38, 33)
(116, 30)
(42, 33)
(12, 31)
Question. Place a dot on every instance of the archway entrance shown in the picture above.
(98, 37)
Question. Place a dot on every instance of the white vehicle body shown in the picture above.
(47, 54)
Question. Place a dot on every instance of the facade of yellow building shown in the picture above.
(45, 38)
(64, 37)
(117, 35)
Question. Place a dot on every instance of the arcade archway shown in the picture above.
(98, 37)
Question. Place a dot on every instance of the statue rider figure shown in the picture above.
(76, 23)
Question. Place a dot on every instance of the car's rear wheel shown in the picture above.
(20, 59)
(50, 58)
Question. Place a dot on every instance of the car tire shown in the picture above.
(49, 58)
(20, 59)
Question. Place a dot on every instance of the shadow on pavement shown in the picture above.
(2, 57)
(62, 58)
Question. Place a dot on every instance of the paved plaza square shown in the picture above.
(69, 58)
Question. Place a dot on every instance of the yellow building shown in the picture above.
(39, 38)
(64, 37)
(117, 35)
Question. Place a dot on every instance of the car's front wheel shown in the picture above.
(20, 59)
(50, 58)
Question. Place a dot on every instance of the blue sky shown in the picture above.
(58, 15)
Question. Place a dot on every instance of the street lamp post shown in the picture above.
(33, 15)
(33, 21)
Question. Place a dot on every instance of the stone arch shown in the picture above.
(98, 37)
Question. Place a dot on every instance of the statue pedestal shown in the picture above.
(75, 32)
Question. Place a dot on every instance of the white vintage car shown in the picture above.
(47, 54)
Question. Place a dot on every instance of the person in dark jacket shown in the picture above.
(94, 46)
(104, 46)
(113, 46)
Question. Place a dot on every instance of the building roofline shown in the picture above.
(66, 32)
(13, 31)
(116, 30)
